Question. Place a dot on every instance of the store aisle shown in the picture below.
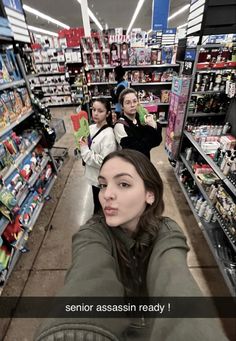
(41, 271)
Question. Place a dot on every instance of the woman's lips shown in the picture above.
(110, 211)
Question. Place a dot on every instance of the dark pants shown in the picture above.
(97, 205)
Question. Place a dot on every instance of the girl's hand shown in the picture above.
(150, 121)
(83, 142)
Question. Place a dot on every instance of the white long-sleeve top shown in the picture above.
(102, 145)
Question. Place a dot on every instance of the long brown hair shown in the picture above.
(150, 219)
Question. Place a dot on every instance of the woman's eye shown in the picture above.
(124, 184)
(101, 186)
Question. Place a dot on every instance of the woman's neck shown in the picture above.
(132, 117)
(101, 124)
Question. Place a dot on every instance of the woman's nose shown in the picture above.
(108, 193)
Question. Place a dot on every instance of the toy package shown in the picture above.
(140, 56)
(81, 126)
(167, 52)
(6, 159)
(135, 76)
(115, 54)
(138, 39)
(124, 56)
(28, 209)
(97, 57)
(4, 75)
(155, 56)
(165, 96)
(132, 56)
(105, 58)
(154, 39)
(6, 98)
(105, 43)
(96, 43)
(86, 44)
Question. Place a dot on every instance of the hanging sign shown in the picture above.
(160, 12)
(16, 17)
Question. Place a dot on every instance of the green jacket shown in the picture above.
(95, 272)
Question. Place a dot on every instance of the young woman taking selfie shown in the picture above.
(132, 251)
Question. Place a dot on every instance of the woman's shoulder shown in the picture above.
(95, 226)
(169, 225)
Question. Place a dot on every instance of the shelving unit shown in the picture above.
(102, 85)
(222, 229)
(24, 195)
(209, 229)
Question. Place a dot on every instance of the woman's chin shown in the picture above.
(111, 221)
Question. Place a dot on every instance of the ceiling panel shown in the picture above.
(114, 13)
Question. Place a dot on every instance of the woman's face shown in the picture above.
(130, 104)
(99, 113)
(122, 195)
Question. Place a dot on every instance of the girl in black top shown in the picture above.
(129, 132)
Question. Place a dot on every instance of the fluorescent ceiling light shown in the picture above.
(44, 16)
(41, 30)
(181, 10)
(92, 16)
(181, 26)
(136, 12)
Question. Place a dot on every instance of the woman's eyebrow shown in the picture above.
(100, 177)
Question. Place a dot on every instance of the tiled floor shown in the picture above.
(41, 271)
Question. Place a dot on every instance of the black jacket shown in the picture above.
(137, 136)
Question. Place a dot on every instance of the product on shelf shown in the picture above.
(178, 101)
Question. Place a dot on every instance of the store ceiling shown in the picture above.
(112, 12)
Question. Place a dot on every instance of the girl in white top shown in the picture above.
(102, 142)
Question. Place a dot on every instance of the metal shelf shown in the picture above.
(215, 69)
(201, 189)
(215, 168)
(19, 119)
(205, 156)
(94, 97)
(12, 84)
(4, 225)
(35, 176)
(204, 114)
(153, 103)
(102, 83)
(34, 217)
(16, 255)
(99, 68)
(50, 62)
(151, 83)
(60, 94)
(205, 227)
(48, 190)
(5, 174)
(49, 84)
(51, 73)
(149, 66)
(134, 66)
(60, 104)
(206, 92)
